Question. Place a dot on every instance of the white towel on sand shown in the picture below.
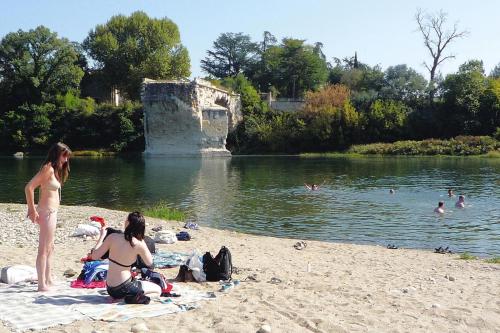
(23, 308)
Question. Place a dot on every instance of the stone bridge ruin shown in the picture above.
(188, 118)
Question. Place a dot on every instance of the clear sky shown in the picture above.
(382, 32)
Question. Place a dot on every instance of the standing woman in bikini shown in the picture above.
(53, 173)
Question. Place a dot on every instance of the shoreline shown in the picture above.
(478, 256)
(325, 287)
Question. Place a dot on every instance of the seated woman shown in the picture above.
(123, 251)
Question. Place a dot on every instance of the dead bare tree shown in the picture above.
(436, 39)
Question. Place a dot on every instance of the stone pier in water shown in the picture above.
(188, 118)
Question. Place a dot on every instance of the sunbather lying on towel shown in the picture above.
(123, 251)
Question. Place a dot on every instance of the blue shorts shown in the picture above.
(130, 287)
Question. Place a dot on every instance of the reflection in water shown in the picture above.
(266, 195)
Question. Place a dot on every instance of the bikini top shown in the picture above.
(54, 185)
(116, 262)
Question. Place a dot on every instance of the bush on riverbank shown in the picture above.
(460, 146)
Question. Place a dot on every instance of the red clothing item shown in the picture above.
(91, 285)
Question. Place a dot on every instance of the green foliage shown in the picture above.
(489, 113)
(467, 256)
(128, 49)
(27, 127)
(497, 134)
(91, 153)
(385, 120)
(460, 146)
(495, 73)
(70, 102)
(232, 54)
(462, 95)
(161, 210)
(403, 84)
(250, 99)
(115, 128)
(292, 67)
(35, 127)
(36, 65)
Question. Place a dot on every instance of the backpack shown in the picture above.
(220, 267)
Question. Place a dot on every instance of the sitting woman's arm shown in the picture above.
(144, 253)
(101, 247)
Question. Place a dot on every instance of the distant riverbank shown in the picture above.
(459, 146)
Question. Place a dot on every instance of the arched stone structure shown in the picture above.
(188, 118)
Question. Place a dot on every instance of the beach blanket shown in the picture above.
(165, 259)
(23, 308)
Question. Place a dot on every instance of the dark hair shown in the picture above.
(135, 228)
(56, 151)
(441, 204)
(461, 197)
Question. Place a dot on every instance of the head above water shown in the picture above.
(450, 192)
(391, 191)
(135, 226)
(441, 204)
(58, 157)
(461, 198)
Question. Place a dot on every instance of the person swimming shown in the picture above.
(450, 193)
(461, 202)
(440, 208)
(312, 187)
(391, 191)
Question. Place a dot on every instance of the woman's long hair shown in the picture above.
(56, 151)
(135, 228)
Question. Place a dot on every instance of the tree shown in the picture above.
(36, 65)
(436, 39)
(462, 94)
(267, 41)
(232, 54)
(385, 120)
(404, 84)
(250, 100)
(489, 114)
(293, 67)
(129, 49)
(495, 73)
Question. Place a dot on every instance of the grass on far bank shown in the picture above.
(162, 211)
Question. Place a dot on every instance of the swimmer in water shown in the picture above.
(440, 208)
(461, 202)
(312, 187)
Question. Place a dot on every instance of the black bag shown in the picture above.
(220, 267)
(150, 243)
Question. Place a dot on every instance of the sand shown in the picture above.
(349, 288)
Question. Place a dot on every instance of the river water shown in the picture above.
(266, 195)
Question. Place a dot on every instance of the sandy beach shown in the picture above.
(349, 288)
